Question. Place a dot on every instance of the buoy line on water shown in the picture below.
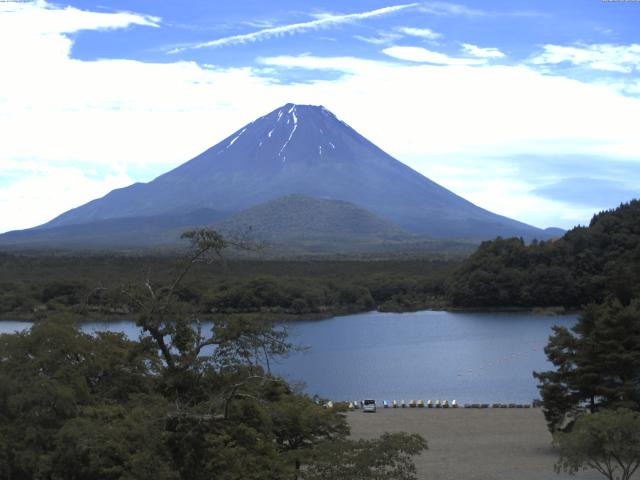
(533, 347)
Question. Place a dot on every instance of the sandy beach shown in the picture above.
(472, 444)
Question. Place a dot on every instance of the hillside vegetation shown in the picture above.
(584, 266)
(91, 286)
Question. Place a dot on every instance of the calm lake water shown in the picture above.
(470, 357)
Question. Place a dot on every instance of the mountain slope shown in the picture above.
(296, 217)
(302, 149)
(127, 232)
(291, 225)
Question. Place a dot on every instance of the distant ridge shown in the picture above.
(296, 149)
(297, 217)
(126, 232)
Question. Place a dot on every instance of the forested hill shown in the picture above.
(585, 265)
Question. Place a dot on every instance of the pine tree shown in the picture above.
(597, 363)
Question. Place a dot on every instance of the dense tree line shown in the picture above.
(91, 286)
(584, 266)
(180, 403)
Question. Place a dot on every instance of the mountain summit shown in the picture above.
(306, 150)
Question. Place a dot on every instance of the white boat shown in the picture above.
(395, 404)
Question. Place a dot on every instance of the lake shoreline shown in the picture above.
(289, 317)
(470, 357)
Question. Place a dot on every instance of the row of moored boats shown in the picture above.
(410, 404)
(356, 405)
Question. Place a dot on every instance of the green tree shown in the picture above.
(607, 441)
(300, 425)
(51, 379)
(597, 363)
(389, 457)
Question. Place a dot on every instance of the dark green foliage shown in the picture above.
(37, 286)
(180, 403)
(318, 224)
(75, 406)
(607, 441)
(597, 363)
(584, 266)
(70, 402)
(386, 458)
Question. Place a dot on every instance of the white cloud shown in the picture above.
(464, 109)
(447, 8)
(464, 117)
(482, 52)
(347, 65)
(422, 55)
(387, 38)
(61, 117)
(426, 33)
(604, 56)
(456, 9)
(383, 38)
(53, 20)
(321, 21)
(41, 192)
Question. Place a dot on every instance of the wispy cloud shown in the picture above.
(389, 37)
(259, 23)
(457, 9)
(422, 55)
(446, 8)
(419, 32)
(588, 191)
(347, 65)
(482, 52)
(382, 38)
(604, 56)
(321, 21)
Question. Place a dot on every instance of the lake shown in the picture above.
(471, 357)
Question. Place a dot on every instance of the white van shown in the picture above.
(369, 406)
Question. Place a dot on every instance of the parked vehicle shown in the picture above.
(369, 406)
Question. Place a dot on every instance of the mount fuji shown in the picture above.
(294, 150)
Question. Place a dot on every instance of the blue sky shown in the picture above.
(529, 109)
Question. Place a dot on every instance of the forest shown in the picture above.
(586, 265)
(91, 286)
